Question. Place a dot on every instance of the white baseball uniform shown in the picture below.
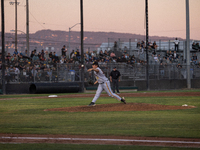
(104, 84)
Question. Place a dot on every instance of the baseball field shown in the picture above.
(149, 120)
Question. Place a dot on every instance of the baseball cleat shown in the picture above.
(92, 104)
(123, 100)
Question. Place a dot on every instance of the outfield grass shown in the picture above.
(82, 147)
(27, 116)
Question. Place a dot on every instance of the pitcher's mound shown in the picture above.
(120, 107)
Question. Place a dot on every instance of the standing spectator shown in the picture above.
(176, 42)
(115, 78)
(63, 50)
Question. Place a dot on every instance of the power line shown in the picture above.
(37, 20)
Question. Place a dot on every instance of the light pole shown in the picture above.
(188, 43)
(70, 37)
(16, 3)
(21, 32)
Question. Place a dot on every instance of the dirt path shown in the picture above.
(89, 139)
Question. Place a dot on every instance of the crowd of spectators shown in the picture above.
(44, 63)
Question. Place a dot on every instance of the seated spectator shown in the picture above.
(198, 65)
(106, 53)
(78, 54)
(179, 66)
(35, 58)
(119, 59)
(32, 54)
(50, 55)
(125, 50)
(138, 45)
(127, 56)
(71, 54)
(124, 59)
(170, 55)
(194, 59)
(42, 53)
(17, 72)
(154, 45)
(197, 46)
(194, 46)
(112, 55)
(39, 54)
(25, 53)
(167, 54)
(155, 57)
(101, 54)
(106, 60)
(7, 58)
(48, 76)
(175, 55)
(7, 74)
(46, 55)
(16, 52)
(115, 45)
(93, 54)
(143, 44)
(55, 56)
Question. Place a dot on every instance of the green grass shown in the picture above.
(82, 147)
(27, 116)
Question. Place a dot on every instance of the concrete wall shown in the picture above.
(24, 88)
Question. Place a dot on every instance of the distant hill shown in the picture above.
(45, 39)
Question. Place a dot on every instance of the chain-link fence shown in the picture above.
(40, 72)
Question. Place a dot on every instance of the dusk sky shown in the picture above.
(166, 17)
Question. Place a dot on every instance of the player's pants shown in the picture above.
(105, 86)
(115, 84)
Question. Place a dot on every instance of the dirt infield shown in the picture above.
(128, 106)
(111, 140)
(120, 107)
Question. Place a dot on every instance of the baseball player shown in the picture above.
(104, 84)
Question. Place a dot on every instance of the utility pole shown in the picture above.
(147, 40)
(16, 3)
(188, 43)
(27, 28)
(3, 47)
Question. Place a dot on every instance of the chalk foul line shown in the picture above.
(97, 139)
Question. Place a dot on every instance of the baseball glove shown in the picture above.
(90, 82)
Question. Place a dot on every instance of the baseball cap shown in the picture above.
(114, 67)
(95, 63)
